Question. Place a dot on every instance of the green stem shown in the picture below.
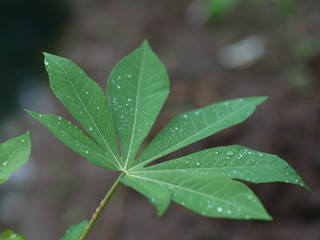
(99, 210)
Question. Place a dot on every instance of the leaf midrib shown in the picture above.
(136, 109)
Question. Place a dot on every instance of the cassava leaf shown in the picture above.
(77, 140)
(209, 195)
(197, 124)
(84, 99)
(14, 153)
(158, 195)
(235, 162)
(137, 87)
(74, 232)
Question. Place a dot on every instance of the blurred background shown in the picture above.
(214, 50)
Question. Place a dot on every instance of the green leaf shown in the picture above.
(84, 99)
(196, 125)
(10, 235)
(75, 231)
(209, 195)
(77, 140)
(235, 162)
(14, 153)
(158, 195)
(137, 88)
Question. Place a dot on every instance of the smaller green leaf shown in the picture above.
(14, 153)
(76, 139)
(209, 195)
(10, 235)
(159, 196)
(235, 162)
(74, 232)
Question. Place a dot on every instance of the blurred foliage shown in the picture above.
(27, 28)
(219, 9)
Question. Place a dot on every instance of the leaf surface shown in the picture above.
(235, 162)
(77, 140)
(196, 125)
(84, 99)
(158, 195)
(74, 232)
(14, 153)
(209, 195)
(137, 88)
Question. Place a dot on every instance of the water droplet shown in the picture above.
(118, 86)
(46, 63)
(23, 140)
(98, 108)
(197, 113)
(5, 163)
(129, 76)
(185, 116)
(87, 92)
(90, 128)
(40, 115)
(60, 118)
(198, 164)
(129, 99)
(230, 153)
(219, 209)
(87, 151)
(229, 211)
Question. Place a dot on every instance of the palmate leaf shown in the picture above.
(85, 100)
(197, 124)
(14, 153)
(137, 88)
(205, 182)
(75, 231)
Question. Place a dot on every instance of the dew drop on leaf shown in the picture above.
(5, 163)
(230, 153)
(219, 209)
